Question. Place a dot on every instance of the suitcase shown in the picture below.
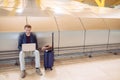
(48, 59)
(49, 56)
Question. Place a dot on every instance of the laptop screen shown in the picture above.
(29, 47)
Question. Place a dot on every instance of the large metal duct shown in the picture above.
(71, 34)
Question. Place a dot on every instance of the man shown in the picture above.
(28, 37)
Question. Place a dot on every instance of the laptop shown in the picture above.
(29, 47)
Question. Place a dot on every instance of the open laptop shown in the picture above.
(29, 47)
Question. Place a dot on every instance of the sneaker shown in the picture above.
(23, 74)
(38, 71)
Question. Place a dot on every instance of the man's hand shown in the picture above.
(46, 47)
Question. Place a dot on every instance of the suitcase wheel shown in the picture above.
(45, 68)
(51, 69)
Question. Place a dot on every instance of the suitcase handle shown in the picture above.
(53, 41)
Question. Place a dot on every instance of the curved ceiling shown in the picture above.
(53, 7)
(108, 3)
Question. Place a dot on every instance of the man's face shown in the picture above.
(27, 30)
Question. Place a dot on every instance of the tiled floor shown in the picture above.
(105, 67)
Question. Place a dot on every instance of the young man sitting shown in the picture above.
(28, 37)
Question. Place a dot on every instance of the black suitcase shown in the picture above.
(48, 59)
(49, 56)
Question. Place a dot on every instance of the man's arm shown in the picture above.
(36, 41)
(20, 42)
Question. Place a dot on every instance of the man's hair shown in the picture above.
(27, 26)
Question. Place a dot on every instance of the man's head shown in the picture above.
(27, 29)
